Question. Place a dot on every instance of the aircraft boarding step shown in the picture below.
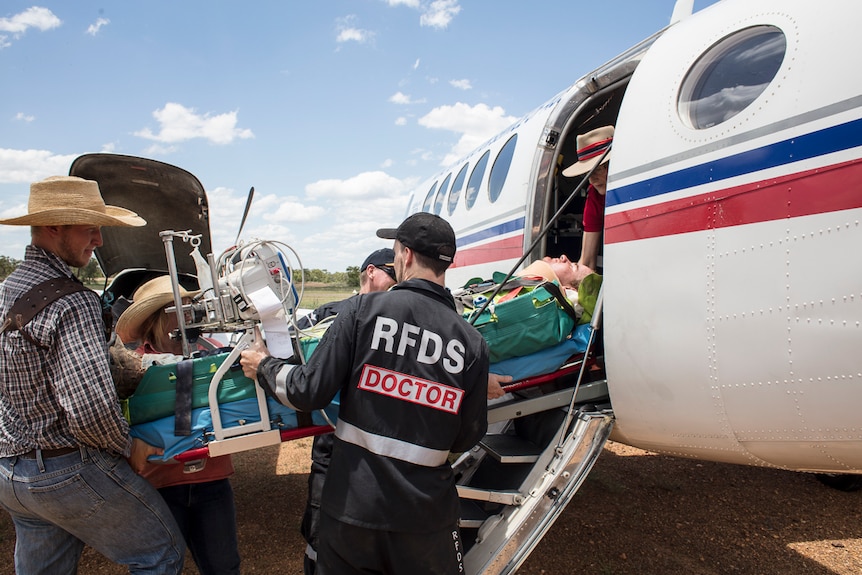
(472, 515)
(507, 448)
(531, 508)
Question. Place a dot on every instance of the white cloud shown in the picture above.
(400, 121)
(367, 185)
(294, 212)
(226, 207)
(475, 124)
(439, 13)
(402, 98)
(416, 64)
(94, 28)
(25, 166)
(435, 14)
(349, 33)
(353, 35)
(463, 84)
(35, 17)
(13, 211)
(360, 204)
(159, 150)
(178, 124)
(21, 116)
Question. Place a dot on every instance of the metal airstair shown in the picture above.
(542, 444)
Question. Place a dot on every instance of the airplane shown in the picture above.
(730, 317)
(732, 310)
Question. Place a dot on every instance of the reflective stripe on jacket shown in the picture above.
(413, 378)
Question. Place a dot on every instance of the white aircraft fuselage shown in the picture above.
(732, 291)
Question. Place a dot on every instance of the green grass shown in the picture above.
(314, 297)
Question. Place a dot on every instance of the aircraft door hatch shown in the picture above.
(565, 234)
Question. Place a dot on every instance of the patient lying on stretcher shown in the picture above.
(580, 286)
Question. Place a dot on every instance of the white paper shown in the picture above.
(274, 322)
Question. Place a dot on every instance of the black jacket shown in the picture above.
(413, 379)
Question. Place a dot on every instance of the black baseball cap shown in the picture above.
(382, 259)
(425, 233)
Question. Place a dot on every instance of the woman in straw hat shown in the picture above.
(591, 150)
(202, 502)
(64, 478)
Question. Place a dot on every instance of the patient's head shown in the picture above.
(569, 273)
(566, 272)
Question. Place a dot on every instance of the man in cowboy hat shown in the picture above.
(591, 149)
(64, 478)
(413, 377)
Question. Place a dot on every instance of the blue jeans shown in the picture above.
(206, 515)
(90, 497)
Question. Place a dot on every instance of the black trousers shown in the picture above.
(321, 453)
(349, 550)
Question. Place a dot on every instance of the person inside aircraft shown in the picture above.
(202, 502)
(567, 274)
(590, 149)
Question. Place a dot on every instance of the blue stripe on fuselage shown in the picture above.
(506, 227)
(825, 141)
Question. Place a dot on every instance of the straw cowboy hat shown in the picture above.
(149, 298)
(71, 201)
(591, 146)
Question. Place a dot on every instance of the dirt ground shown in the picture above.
(637, 513)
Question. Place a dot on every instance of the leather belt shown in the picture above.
(49, 452)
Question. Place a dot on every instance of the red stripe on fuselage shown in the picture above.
(504, 249)
(822, 190)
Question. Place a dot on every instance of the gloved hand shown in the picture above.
(126, 368)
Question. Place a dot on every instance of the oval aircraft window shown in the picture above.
(441, 195)
(500, 169)
(455, 192)
(731, 75)
(475, 180)
(426, 205)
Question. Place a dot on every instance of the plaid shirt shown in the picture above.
(62, 396)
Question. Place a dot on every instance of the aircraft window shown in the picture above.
(500, 169)
(455, 192)
(441, 195)
(731, 75)
(475, 180)
(426, 205)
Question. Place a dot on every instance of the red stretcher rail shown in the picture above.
(546, 377)
(312, 430)
(286, 435)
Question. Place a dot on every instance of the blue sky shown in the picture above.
(332, 109)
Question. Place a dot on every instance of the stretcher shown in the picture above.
(230, 413)
(225, 412)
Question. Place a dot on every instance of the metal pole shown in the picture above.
(168, 239)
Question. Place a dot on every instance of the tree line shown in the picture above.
(92, 273)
